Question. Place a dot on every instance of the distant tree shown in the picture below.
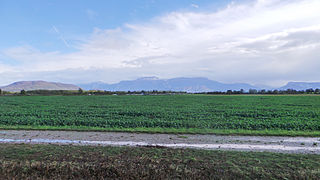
(317, 91)
(229, 92)
(0, 91)
(262, 91)
(23, 92)
(309, 91)
(269, 92)
(291, 91)
(80, 91)
(253, 91)
(235, 92)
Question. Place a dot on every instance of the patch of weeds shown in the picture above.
(183, 137)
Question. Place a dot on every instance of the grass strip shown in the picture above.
(170, 130)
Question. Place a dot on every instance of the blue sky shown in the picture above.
(32, 22)
(266, 42)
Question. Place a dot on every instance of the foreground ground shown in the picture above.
(87, 162)
(310, 145)
(52, 154)
(251, 115)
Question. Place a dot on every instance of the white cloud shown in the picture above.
(194, 5)
(258, 42)
(91, 14)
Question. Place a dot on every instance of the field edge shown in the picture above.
(170, 130)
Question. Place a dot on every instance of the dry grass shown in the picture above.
(76, 162)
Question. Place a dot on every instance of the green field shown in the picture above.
(274, 115)
(84, 162)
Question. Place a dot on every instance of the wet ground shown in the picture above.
(279, 144)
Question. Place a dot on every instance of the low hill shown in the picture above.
(37, 85)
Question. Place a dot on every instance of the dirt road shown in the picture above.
(238, 143)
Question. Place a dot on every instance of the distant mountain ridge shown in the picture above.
(38, 85)
(198, 84)
(301, 85)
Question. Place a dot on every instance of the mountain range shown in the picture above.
(176, 84)
(198, 84)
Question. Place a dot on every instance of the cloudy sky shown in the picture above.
(266, 42)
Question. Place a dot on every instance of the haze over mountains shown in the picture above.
(198, 84)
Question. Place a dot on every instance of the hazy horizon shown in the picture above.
(259, 42)
(259, 86)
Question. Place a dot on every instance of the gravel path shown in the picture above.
(241, 143)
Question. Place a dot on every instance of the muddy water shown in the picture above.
(240, 143)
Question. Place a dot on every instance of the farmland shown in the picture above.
(165, 113)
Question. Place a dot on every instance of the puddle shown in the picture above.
(214, 142)
(251, 147)
(245, 147)
(62, 141)
(305, 140)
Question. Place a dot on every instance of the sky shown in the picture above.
(261, 42)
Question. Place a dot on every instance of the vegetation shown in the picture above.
(263, 91)
(179, 113)
(85, 93)
(4, 92)
(154, 92)
(23, 92)
(85, 162)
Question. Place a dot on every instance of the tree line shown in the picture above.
(83, 92)
(263, 91)
(154, 92)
